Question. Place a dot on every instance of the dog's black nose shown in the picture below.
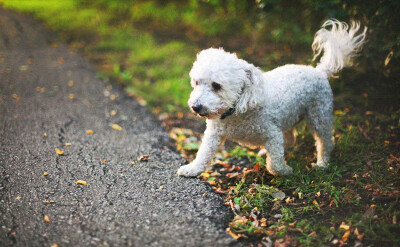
(197, 107)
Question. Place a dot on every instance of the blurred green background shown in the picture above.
(150, 45)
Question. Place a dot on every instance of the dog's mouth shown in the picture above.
(205, 115)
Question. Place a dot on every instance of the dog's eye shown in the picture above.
(216, 86)
(196, 82)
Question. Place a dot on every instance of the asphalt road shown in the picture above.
(145, 204)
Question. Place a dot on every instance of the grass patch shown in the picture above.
(355, 200)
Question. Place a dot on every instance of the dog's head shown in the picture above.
(221, 83)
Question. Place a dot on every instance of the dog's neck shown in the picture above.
(228, 113)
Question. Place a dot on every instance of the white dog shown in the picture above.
(244, 104)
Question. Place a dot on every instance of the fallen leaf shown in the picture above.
(45, 174)
(319, 193)
(116, 127)
(67, 144)
(312, 234)
(205, 175)
(54, 245)
(81, 182)
(44, 134)
(345, 236)
(71, 96)
(18, 198)
(46, 218)
(344, 226)
(359, 236)
(300, 195)
(233, 175)
(70, 83)
(113, 113)
(161, 187)
(47, 201)
(89, 132)
(226, 165)
(143, 158)
(58, 151)
(257, 167)
(15, 96)
(234, 235)
(23, 67)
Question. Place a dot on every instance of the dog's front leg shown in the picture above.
(207, 150)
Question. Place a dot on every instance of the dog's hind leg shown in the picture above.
(289, 137)
(275, 154)
(320, 121)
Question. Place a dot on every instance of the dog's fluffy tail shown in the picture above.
(338, 45)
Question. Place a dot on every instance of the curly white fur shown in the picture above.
(339, 45)
(267, 105)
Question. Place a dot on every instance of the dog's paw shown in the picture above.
(262, 153)
(282, 171)
(319, 165)
(190, 170)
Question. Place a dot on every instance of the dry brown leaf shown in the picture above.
(143, 158)
(312, 234)
(221, 163)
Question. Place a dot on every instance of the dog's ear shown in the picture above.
(252, 91)
(249, 76)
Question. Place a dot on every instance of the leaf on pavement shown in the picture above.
(81, 182)
(59, 152)
(116, 127)
(46, 218)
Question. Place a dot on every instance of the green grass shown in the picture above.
(362, 174)
(156, 71)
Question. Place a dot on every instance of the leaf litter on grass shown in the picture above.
(310, 207)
